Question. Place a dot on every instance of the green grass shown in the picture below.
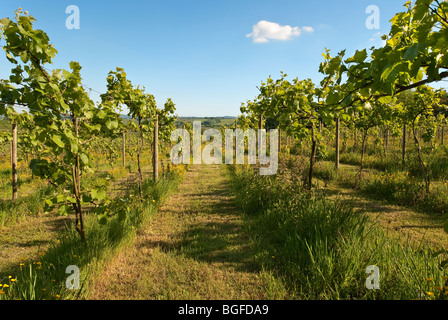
(32, 204)
(322, 248)
(44, 277)
(436, 159)
(5, 125)
(196, 248)
(401, 188)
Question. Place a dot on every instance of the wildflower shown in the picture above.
(5, 286)
(430, 294)
(58, 296)
(13, 280)
(39, 263)
(2, 292)
(75, 256)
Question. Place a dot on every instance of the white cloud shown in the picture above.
(264, 31)
(307, 29)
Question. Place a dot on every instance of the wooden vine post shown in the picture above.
(14, 160)
(76, 175)
(123, 150)
(403, 147)
(443, 135)
(139, 151)
(279, 140)
(260, 136)
(337, 143)
(156, 148)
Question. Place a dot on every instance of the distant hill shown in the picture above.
(210, 122)
(123, 116)
(225, 117)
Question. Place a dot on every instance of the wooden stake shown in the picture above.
(14, 161)
(403, 147)
(279, 140)
(337, 144)
(124, 149)
(156, 148)
(443, 135)
(260, 136)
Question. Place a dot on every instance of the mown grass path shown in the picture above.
(194, 248)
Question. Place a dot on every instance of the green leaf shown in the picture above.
(333, 98)
(98, 194)
(385, 100)
(86, 198)
(63, 104)
(412, 52)
(101, 114)
(84, 158)
(71, 199)
(74, 147)
(112, 124)
(360, 56)
(57, 139)
(60, 198)
(64, 210)
(4, 21)
(66, 74)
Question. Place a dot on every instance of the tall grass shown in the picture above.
(321, 249)
(30, 204)
(44, 277)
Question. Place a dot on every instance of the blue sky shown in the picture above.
(198, 52)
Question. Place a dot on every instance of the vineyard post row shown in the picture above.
(14, 157)
(155, 149)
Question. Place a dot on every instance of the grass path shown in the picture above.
(194, 248)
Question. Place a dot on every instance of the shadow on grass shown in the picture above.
(217, 234)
